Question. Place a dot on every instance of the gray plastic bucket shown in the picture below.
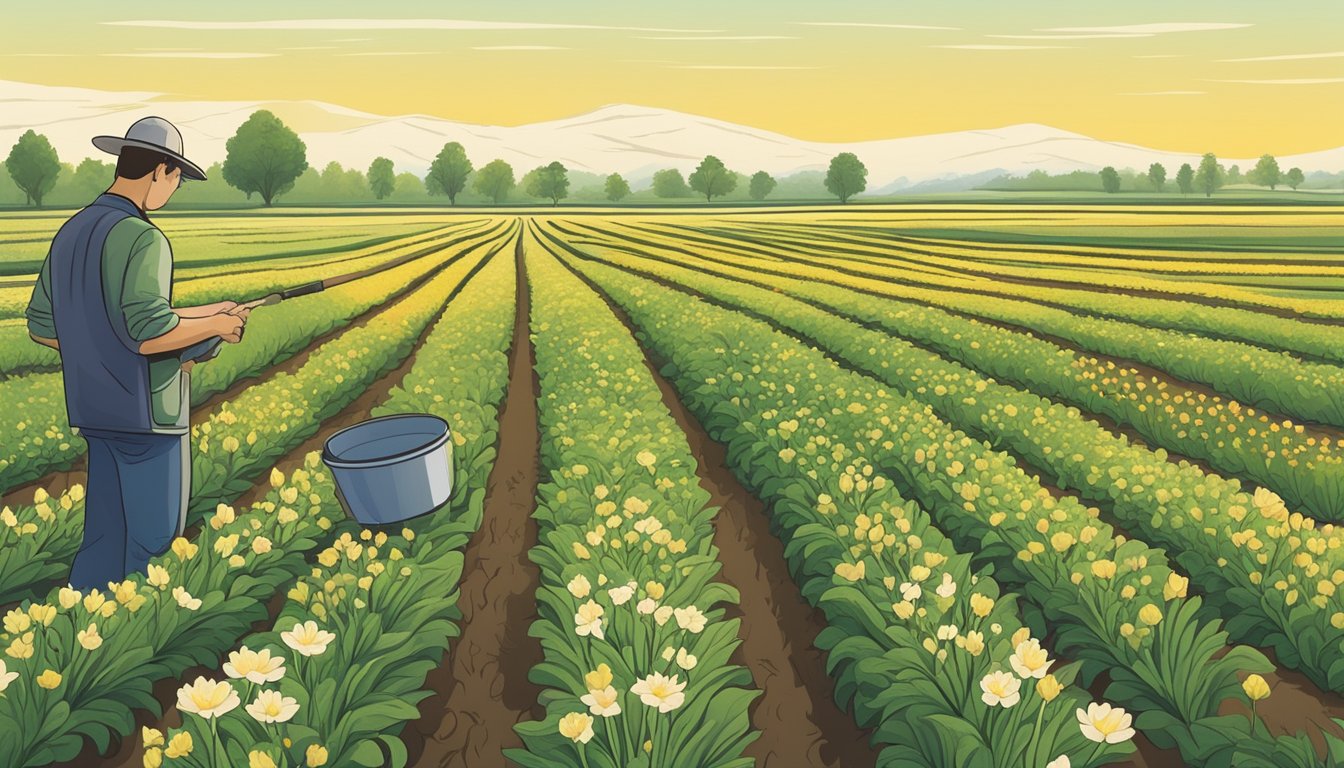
(391, 468)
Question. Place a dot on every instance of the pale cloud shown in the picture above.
(736, 66)
(309, 48)
(349, 39)
(1095, 36)
(869, 24)
(38, 54)
(518, 48)
(725, 37)
(367, 24)
(1293, 57)
(389, 53)
(1164, 93)
(194, 55)
(1152, 29)
(1162, 56)
(1295, 81)
(974, 47)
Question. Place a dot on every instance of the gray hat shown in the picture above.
(152, 133)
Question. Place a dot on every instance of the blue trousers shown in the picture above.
(135, 503)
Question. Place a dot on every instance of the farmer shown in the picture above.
(103, 300)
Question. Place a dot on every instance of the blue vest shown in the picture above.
(106, 377)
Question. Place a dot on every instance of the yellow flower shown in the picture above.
(152, 737)
(184, 598)
(261, 545)
(645, 459)
(577, 727)
(49, 679)
(1029, 659)
(315, 756)
(1103, 569)
(664, 693)
(1103, 723)
(277, 478)
(1256, 688)
(158, 576)
(255, 666)
(307, 638)
(17, 621)
(178, 746)
(1000, 689)
(185, 550)
(89, 638)
(1150, 614)
(579, 586)
(206, 698)
(153, 758)
(850, 571)
(328, 557)
(599, 678)
(1175, 587)
(259, 759)
(1048, 688)
(67, 597)
(272, 707)
(981, 605)
(21, 647)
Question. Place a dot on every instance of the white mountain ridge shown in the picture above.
(628, 139)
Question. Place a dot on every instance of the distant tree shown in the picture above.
(1209, 177)
(408, 186)
(670, 183)
(846, 176)
(1294, 178)
(616, 188)
(448, 173)
(382, 177)
(1157, 175)
(1232, 175)
(494, 180)
(264, 156)
(1185, 179)
(1110, 180)
(550, 181)
(33, 165)
(762, 184)
(1265, 173)
(711, 178)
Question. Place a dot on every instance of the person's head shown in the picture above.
(152, 176)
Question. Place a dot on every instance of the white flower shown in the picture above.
(690, 618)
(948, 588)
(685, 660)
(271, 707)
(579, 586)
(256, 666)
(605, 702)
(947, 632)
(621, 595)
(185, 599)
(1030, 659)
(576, 727)
(911, 592)
(1000, 688)
(6, 677)
(662, 614)
(208, 698)
(588, 621)
(1060, 762)
(1104, 723)
(647, 605)
(660, 691)
(307, 639)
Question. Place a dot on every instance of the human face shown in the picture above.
(162, 185)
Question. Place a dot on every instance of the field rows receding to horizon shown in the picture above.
(847, 486)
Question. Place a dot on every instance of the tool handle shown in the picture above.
(302, 290)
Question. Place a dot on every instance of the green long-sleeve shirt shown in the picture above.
(137, 281)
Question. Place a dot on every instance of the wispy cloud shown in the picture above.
(389, 53)
(367, 24)
(1164, 93)
(194, 55)
(869, 24)
(988, 47)
(1094, 36)
(724, 37)
(349, 39)
(309, 48)
(736, 66)
(1161, 28)
(1292, 57)
(518, 48)
(1162, 56)
(38, 54)
(1294, 81)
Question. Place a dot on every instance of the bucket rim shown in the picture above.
(331, 460)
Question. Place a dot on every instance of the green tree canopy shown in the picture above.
(1265, 173)
(846, 176)
(616, 188)
(264, 156)
(761, 185)
(33, 165)
(448, 173)
(711, 178)
(1110, 180)
(1209, 177)
(1157, 175)
(408, 187)
(1294, 178)
(550, 181)
(1185, 179)
(382, 177)
(670, 183)
(1231, 175)
(494, 180)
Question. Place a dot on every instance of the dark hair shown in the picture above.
(135, 162)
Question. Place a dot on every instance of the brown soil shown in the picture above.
(481, 689)
(797, 716)
(128, 751)
(1293, 703)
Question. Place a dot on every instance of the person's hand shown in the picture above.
(239, 310)
(218, 306)
(228, 327)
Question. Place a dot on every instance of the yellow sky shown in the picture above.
(1167, 76)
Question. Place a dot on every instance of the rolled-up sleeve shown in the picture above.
(41, 323)
(146, 292)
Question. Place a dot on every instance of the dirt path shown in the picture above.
(799, 721)
(481, 689)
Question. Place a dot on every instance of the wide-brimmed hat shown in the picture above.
(152, 133)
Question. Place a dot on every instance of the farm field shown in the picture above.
(884, 485)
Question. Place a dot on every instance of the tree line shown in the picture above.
(1212, 176)
(266, 158)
